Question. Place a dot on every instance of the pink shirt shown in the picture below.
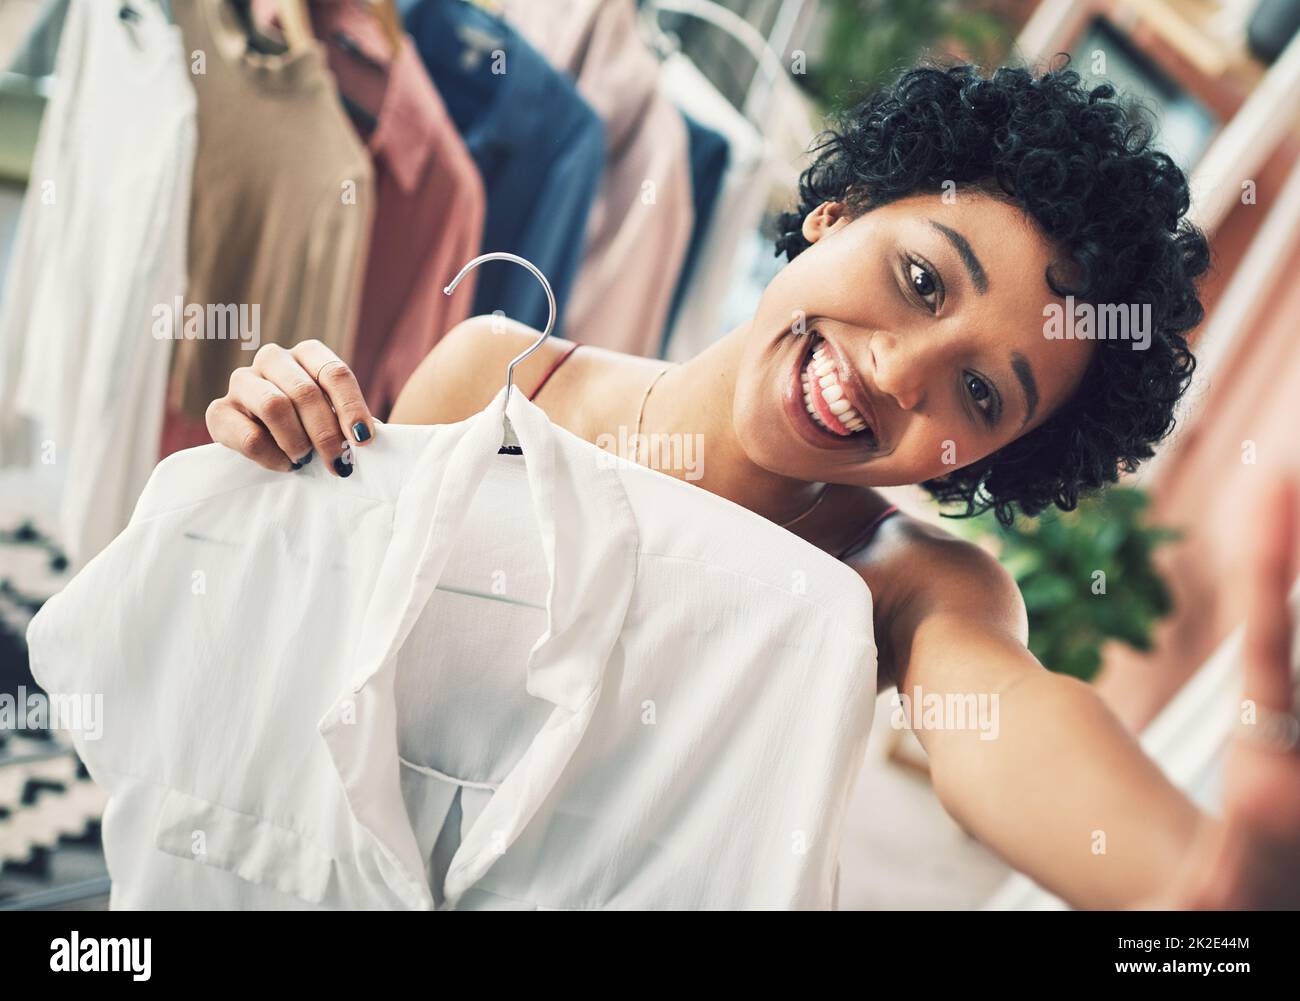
(429, 208)
(641, 223)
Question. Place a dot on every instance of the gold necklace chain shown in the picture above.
(640, 414)
(636, 449)
(811, 507)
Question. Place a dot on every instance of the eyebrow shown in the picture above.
(1020, 365)
(977, 276)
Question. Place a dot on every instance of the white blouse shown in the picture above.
(463, 680)
(99, 265)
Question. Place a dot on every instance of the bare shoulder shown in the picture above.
(467, 368)
(919, 570)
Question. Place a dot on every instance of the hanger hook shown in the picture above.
(550, 303)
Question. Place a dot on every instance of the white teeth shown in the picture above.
(822, 373)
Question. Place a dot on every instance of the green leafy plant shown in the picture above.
(867, 41)
(1086, 575)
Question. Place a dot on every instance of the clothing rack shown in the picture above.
(766, 51)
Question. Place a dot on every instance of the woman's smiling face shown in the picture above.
(914, 334)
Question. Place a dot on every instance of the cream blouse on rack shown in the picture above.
(463, 680)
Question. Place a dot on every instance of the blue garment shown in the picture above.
(709, 154)
(539, 147)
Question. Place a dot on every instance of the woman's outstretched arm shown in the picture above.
(1039, 770)
(1051, 780)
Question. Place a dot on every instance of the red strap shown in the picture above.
(551, 371)
(869, 532)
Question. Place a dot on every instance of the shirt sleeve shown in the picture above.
(34, 252)
(556, 233)
(75, 644)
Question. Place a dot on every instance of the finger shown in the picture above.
(264, 402)
(1267, 640)
(236, 430)
(339, 384)
(311, 418)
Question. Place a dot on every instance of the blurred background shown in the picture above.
(669, 131)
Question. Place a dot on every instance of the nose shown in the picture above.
(906, 366)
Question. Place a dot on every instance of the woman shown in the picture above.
(906, 342)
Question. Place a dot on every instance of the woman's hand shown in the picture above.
(1250, 859)
(289, 404)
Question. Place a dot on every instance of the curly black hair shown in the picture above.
(1081, 164)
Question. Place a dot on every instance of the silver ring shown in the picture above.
(332, 361)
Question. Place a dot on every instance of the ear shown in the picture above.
(825, 218)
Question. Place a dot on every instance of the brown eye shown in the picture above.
(922, 281)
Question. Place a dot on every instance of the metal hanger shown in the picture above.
(509, 443)
(769, 74)
(770, 68)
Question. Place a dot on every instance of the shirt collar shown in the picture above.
(495, 111)
(409, 120)
(574, 485)
(411, 113)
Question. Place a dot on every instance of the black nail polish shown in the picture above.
(360, 432)
(304, 460)
(341, 467)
